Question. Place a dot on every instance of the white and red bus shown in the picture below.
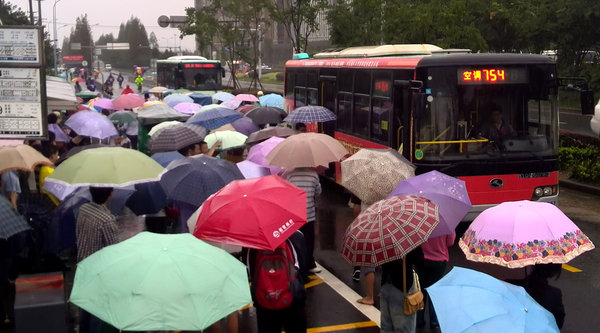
(434, 105)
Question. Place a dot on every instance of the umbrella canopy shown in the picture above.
(306, 150)
(258, 153)
(273, 100)
(449, 193)
(389, 229)
(10, 143)
(201, 98)
(187, 108)
(245, 126)
(229, 139)
(246, 98)
(78, 79)
(222, 96)
(158, 90)
(272, 210)
(86, 95)
(167, 157)
(102, 103)
(263, 115)
(76, 150)
(12, 222)
(232, 103)
(147, 198)
(252, 170)
(21, 157)
(158, 113)
(148, 103)
(371, 174)
(92, 124)
(128, 101)
(175, 99)
(59, 134)
(193, 179)
(178, 91)
(122, 117)
(176, 137)
(206, 107)
(265, 133)
(163, 125)
(106, 166)
(245, 108)
(469, 301)
(521, 233)
(179, 283)
(309, 114)
(214, 118)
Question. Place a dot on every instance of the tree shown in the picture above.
(134, 33)
(12, 15)
(299, 18)
(82, 34)
(357, 22)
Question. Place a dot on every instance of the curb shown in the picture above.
(579, 186)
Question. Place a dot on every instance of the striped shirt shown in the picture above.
(308, 180)
(96, 228)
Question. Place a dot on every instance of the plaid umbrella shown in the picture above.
(176, 137)
(266, 115)
(12, 222)
(389, 229)
(193, 179)
(309, 114)
(371, 174)
(214, 118)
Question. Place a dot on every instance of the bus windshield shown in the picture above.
(487, 113)
(191, 75)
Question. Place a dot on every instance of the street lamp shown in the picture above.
(55, 37)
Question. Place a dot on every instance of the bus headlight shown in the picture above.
(538, 192)
(547, 190)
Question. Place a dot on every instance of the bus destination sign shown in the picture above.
(491, 75)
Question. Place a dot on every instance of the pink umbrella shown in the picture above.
(258, 153)
(103, 103)
(246, 98)
(128, 101)
(232, 103)
(187, 107)
(522, 233)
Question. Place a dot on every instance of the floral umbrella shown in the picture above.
(521, 233)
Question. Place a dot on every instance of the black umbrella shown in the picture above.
(266, 115)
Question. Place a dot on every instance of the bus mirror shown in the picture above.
(587, 102)
(222, 72)
(409, 84)
(419, 105)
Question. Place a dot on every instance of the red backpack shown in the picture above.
(274, 274)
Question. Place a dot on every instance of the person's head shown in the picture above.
(51, 152)
(126, 86)
(52, 118)
(100, 195)
(260, 93)
(301, 127)
(204, 147)
(191, 150)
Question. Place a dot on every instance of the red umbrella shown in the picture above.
(128, 101)
(389, 229)
(259, 213)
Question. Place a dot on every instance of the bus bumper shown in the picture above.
(477, 209)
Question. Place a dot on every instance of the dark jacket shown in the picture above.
(548, 296)
(392, 271)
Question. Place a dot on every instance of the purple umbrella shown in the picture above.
(232, 103)
(258, 153)
(103, 103)
(449, 193)
(59, 134)
(252, 170)
(187, 107)
(245, 126)
(175, 99)
(92, 124)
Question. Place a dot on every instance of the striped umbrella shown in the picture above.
(309, 114)
(176, 137)
(214, 118)
(389, 229)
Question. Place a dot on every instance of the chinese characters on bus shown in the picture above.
(484, 75)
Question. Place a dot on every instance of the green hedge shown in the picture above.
(579, 155)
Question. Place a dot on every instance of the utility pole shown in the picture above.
(259, 51)
(31, 12)
(55, 38)
(39, 12)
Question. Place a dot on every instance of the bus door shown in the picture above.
(400, 120)
(327, 99)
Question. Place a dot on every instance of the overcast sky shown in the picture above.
(105, 16)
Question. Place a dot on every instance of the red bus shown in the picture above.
(436, 107)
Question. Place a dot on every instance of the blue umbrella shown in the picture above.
(167, 157)
(201, 98)
(309, 114)
(148, 198)
(222, 96)
(214, 118)
(273, 100)
(175, 99)
(469, 301)
(193, 179)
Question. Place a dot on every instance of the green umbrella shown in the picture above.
(122, 117)
(105, 166)
(211, 106)
(160, 282)
(87, 94)
(229, 139)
